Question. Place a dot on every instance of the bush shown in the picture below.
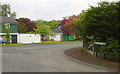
(111, 50)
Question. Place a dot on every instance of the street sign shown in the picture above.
(100, 43)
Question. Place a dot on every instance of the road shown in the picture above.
(41, 58)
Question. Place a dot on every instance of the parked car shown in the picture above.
(3, 42)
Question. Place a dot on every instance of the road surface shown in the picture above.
(41, 58)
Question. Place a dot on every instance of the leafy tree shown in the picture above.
(43, 30)
(102, 24)
(25, 25)
(111, 50)
(22, 28)
(6, 11)
(6, 29)
(68, 24)
(41, 22)
(102, 21)
(53, 24)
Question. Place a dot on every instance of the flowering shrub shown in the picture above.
(91, 45)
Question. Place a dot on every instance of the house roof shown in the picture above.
(7, 20)
(60, 24)
(57, 30)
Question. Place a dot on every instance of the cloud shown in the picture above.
(49, 9)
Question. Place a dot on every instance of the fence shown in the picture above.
(95, 48)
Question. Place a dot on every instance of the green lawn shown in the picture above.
(45, 42)
(60, 41)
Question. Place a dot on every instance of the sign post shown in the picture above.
(96, 47)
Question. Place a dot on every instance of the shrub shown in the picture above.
(111, 50)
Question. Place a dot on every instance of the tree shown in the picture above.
(53, 24)
(68, 26)
(43, 30)
(41, 22)
(102, 24)
(6, 11)
(6, 29)
(101, 21)
(25, 25)
(22, 28)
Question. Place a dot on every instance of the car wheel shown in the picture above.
(4, 43)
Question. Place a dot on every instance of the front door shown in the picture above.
(14, 38)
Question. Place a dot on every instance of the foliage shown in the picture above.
(68, 25)
(101, 21)
(6, 11)
(25, 25)
(6, 30)
(22, 28)
(112, 48)
(43, 30)
(41, 22)
(53, 24)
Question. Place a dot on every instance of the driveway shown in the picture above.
(41, 58)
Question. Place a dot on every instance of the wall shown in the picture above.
(13, 28)
(28, 38)
(57, 37)
(68, 37)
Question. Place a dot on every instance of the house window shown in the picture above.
(7, 25)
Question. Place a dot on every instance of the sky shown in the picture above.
(49, 9)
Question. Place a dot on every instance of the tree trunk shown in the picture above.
(42, 39)
(8, 38)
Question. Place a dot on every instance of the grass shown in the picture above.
(62, 41)
(45, 42)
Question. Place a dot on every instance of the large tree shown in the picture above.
(101, 21)
(42, 29)
(25, 25)
(41, 22)
(6, 11)
(67, 26)
(53, 23)
(22, 28)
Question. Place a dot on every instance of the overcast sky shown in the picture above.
(49, 9)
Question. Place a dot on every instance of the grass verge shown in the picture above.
(45, 42)
(83, 56)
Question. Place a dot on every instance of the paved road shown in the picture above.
(41, 58)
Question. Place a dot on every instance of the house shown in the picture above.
(12, 25)
(58, 36)
(61, 35)
(65, 35)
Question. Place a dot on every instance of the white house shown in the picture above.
(58, 36)
(16, 37)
